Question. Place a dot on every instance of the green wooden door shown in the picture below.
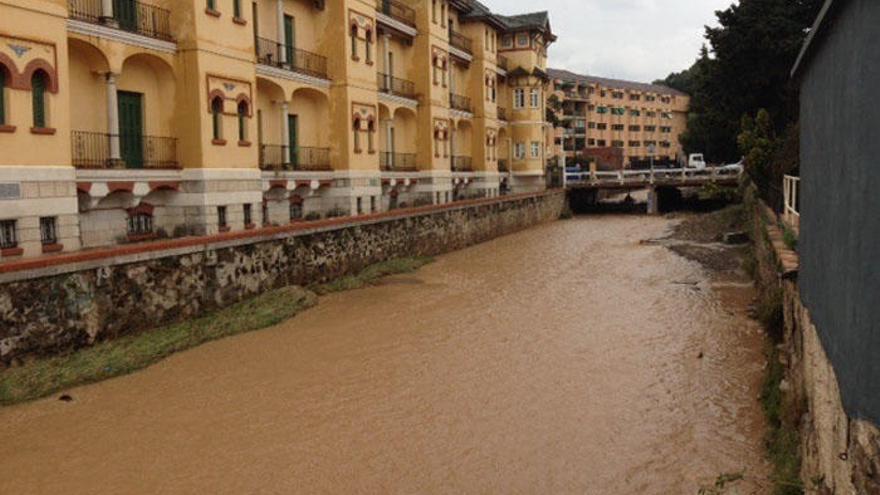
(125, 12)
(292, 127)
(131, 130)
(289, 40)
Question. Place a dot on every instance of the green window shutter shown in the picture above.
(2, 97)
(38, 88)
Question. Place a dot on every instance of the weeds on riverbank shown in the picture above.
(127, 354)
(134, 352)
(372, 273)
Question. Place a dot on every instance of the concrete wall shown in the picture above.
(95, 296)
(840, 452)
(840, 214)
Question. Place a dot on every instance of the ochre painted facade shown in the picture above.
(124, 121)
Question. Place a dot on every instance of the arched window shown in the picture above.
(371, 130)
(140, 223)
(217, 118)
(242, 121)
(356, 127)
(369, 46)
(38, 89)
(354, 41)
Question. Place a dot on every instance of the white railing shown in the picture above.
(648, 175)
(791, 213)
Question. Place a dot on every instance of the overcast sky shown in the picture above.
(640, 40)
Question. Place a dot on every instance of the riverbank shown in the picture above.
(42, 377)
(506, 367)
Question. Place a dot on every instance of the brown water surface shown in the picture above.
(562, 359)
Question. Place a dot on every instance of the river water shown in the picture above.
(568, 358)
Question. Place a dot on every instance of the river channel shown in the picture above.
(568, 358)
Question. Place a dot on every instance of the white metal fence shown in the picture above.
(791, 212)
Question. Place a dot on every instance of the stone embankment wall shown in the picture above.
(58, 304)
(841, 454)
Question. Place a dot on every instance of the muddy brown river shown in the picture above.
(562, 359)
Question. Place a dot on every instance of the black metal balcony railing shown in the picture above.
(302, 158)
(502, 62)
(397, 10)
(130, 15)
(461, 42)
(502, 113)
(395, 86)
(462, 164)
(460, 102)
(397, 162)
(502, 166)
(270, 52)
(92, 150)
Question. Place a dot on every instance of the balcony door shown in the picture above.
(292, 128)
(131, 128)
(289, 39)
(125, 12)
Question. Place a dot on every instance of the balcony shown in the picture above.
(270, 52)
(502, 113)
(459, 102)
(397, 162)
(462, 164)
(397, 11)
(395, 86)
(301, 158)
(132, 16)
(461, 42)
(91, 150)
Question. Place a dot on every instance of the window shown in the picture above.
(651, 114)
(2, 95)
(8, 238)
(617, 127)
(635, 144)
(242, 121)
(369, 47)
(601, 143)
(522, 39)
(591, 125)
(650, 98)
(666, 130)
(236, 8)
(617, 144)
(601, 110)
(666, 115)
(591, 142)
(536, 149)
(650, 128)
(519, 98)
(354, 42)
(635, 128)
(221, 218)
(442, 13)
(217, 117)
(38, 85)
(48, 232)
(618, 111)
(534, 98)
(434, 11)
(212, 5)
(371, 130)
(265, 213)
(296, 209)
(507, 41)
(519, 151)
(601, 126)
(140, 223)
(356, 127)
(635, 113)
(635, 97)
(617, 95)
(248, 215)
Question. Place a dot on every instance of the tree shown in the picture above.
(744, 69)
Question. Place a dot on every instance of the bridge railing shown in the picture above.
(623, 177)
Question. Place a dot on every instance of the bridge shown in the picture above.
(654, 180)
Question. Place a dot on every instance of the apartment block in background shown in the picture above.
(617, 123)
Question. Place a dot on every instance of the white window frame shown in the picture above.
(536, 149)
(519, 98)
(535, 98)
(519, 151)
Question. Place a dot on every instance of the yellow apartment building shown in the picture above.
(122, 121)
(638, 121)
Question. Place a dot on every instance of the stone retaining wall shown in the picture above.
(841, 455)
(60, 304)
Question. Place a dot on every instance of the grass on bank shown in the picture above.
(130, 353)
